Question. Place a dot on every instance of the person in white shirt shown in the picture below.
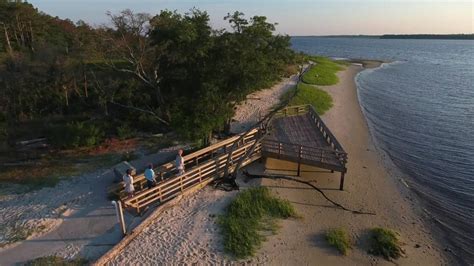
(180, 162)
(128, 183)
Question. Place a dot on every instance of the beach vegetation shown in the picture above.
(250, 216)
(338, 238)
(323, 72)
(51, 169)
(57, 261)
(384, 242)
(308, 94)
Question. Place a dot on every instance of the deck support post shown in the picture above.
(341, 185)
(299, 160)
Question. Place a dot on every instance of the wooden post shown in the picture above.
(122, 220)
(299, 161)
(137, 206)
(341, 185)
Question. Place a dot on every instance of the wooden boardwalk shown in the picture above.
(299, 135)
(296, 134)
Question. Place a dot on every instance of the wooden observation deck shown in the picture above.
(299, 135)
(296, 134)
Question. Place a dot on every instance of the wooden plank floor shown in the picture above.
(300, 130)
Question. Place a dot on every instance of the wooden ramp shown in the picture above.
(299, 135)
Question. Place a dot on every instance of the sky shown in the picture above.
(296, 17)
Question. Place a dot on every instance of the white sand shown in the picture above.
(258, 104)
(72, 219)
(187, 233)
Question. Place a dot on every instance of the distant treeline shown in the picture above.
(429, 36)
(403, 36)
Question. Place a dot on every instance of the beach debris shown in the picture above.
(246, 173)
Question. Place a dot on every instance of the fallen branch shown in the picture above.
(246, 173)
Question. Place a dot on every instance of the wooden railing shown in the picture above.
(303, 109)
(191, 160)
(326, 158)
(202, 173)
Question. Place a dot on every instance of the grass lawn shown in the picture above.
(308, 94)
(251, 214)
(324, 72)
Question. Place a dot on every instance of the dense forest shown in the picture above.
(76, 84)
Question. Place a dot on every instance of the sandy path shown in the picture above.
(259, 103)
(78, 219)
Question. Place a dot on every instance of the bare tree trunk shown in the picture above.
(66, 95)
(85, 82)
(20, 29)
(31, 37)
(9, 46)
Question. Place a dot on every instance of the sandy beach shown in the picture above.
(188, 233)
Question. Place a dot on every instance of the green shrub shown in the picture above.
(308, 94)
(76, 134)
(125, 132)
(56, 261)
(384, 242)
(252, 212)
(323, 73)
(338, 238)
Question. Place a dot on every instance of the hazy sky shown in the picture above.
(299, 17)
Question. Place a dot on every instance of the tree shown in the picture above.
(130, 51)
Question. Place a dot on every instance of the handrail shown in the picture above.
(307, 108)
(196, 176)
(168, 170)
(304, 146)
(325, 130)
(297, 150)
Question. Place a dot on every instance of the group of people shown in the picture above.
(150, 175)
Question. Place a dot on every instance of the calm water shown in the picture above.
(420, 109)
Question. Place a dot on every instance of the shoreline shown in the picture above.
(369, 186)
(395, 206)
(407, 185)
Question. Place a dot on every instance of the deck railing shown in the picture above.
(202, 173)
(168, 170)
(328, 136)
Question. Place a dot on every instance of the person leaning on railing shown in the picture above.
(128, 183)
(150, 176)
(180, 162)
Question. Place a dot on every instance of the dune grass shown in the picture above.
(324, 72)
(338, 238)
(55, 260)
(308, 94)
(248, 217)
(384, 242)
